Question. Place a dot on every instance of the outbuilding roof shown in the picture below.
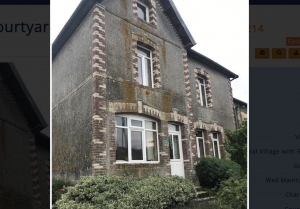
(239, 102)
(210, 63)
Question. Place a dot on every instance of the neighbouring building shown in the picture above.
(131, 96)
(24, 150)
(240, 111)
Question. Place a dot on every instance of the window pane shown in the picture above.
(171, 147)
(141, 12)
(216, 149)
(122, 144)
(150, 125)
(203, 95)
(140, 69)
(176, 147)
(136, 145)
(121, 121)
(151, 146)
(136, 123)
(201, 147)
(215, 135)
(148, 72)
(199, 134)
(201, 80)
(173, 127)
(144, 52)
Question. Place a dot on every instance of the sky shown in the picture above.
(220, 29)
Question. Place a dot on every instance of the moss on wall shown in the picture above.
(126, 34)
(164, 52)
(167, 103)
(129, 92)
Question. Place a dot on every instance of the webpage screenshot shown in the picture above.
(274, 145)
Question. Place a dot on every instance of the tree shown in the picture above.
(236, 145)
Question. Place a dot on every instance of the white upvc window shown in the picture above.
(145, 71)
(215, 142)
(174, 141)
(200, 144)
(136, 139)
(202, 89)
(143, 11)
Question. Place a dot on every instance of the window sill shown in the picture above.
(135, 163)
(146, 22)
(205, 107)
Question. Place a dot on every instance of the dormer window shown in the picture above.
(143, 11)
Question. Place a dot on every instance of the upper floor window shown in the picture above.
(200, 144)
(145, 66)
(215, 142)
(142, 11)
(203, 100)
(136, 139)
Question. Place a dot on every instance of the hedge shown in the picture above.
(113, 192)
(233, 194)
(212, 171)
(59, 188)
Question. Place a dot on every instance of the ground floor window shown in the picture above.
(200, 144)
(215, 142)
(136, 139)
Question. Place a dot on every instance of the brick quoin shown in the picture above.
(99, 91)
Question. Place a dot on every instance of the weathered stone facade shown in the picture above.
(240, 111)
(103, 58)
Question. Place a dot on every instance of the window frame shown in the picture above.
(144, 59)
(171, 132)
(142, 129)
(200, 90)
(217, 140)
(198, 148)
(147, 11)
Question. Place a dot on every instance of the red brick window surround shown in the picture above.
(203, 88)
(140, 42)
(145, 10)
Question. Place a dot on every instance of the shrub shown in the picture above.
(112, 192)
(236, 145)
(58, 188)
(233, 194)
(212, 171)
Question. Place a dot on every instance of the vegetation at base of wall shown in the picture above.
(236, 145)
(212, 171)
(233, 194)
(59, 187)
(197, 206)
(112, 192)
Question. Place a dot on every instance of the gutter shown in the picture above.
(234, 78)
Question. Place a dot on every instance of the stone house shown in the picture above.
(24, 150)
(131, 96)
(240, 111)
